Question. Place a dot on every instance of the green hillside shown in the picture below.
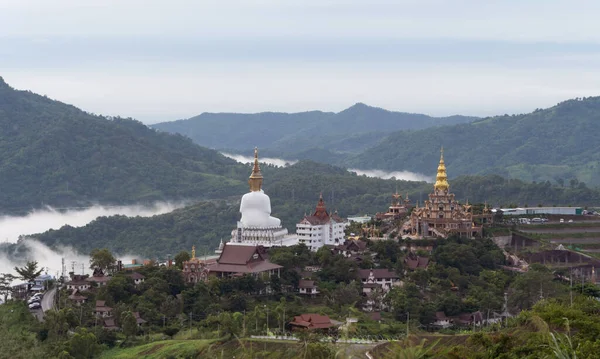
(293, 191)
(556, 144)
(53, 153)
(285, 135)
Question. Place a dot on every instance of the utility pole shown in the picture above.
(82, 269)
(571, 280)
(407, 323)
(164, 322)
(267, 309)
(190, 325)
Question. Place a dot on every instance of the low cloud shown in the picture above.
(279, 162)
(11, 227)
(399, 175)
(37, 221)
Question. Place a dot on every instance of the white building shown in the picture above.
(257, 227)
(540, 210)
(321, 228)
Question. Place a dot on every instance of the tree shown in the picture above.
(129, 324)
(84, 344)
(102, 259)
(29, 272)
(120, 288)
(5, 284)
(181, 257)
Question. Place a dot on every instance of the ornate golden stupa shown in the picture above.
(442, 215)
(256, 179)
(441, 180)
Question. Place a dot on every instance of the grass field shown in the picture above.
(17, 338)
(161, 349)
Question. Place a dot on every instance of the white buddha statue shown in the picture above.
(256, 205)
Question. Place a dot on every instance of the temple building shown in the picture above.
(195, 270)
(321, 228)
(397, 210)
(257, 227)
(442, 215)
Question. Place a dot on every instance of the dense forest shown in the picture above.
(292, 195)
(53, 153)
(555, 144)
(296, 135)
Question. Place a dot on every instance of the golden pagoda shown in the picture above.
(256, 179)
(442, 215)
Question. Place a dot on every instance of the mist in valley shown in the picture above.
(279, 162)
(38, 221)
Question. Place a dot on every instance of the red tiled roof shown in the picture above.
(138, 319)
(440, 316)
(76, 296)
(110, 323)
(136, 276)
(321, 216)
(312, 321)
(416, 262)
(100, 279)
(377, 273)
(101, 306)
(242, 268)
(306, 284)
(233, 254)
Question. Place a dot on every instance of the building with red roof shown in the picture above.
(321, 228)
(311, 322)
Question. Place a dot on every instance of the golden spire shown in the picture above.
(256, 177)
(441, 181)
(193, 252)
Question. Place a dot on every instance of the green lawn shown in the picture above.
(160, 349)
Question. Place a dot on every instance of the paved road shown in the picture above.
(47, 304)
(48, 300)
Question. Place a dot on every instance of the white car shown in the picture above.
(35, 305)
(570, 221)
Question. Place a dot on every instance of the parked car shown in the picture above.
(35, 305)
(570, 221)
(562, 220)
(34, 300)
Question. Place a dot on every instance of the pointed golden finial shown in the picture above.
(193, 252)
(441, 181)
(256, 177)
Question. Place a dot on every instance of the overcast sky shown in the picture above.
(165, 60)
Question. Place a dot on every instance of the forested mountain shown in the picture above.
(53, 153)
(558, 144)
(294, 191)
(284, 134)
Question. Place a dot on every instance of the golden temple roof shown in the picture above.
(256, 177)
(441, 180)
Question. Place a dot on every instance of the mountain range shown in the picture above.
(55, 154)
(298, 135)
(555, 144)
(558, 144)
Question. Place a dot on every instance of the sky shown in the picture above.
(165, 60)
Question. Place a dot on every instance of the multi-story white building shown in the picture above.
(321, 228)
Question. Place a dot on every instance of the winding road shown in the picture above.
(47, 304)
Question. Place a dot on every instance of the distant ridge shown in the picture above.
(288, 134)
(558, 144)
